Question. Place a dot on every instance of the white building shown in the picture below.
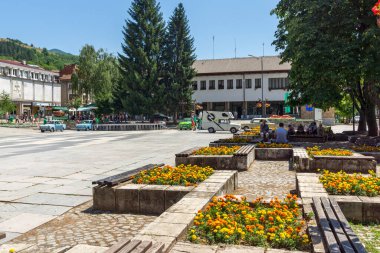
(30, 87)
(236, 85)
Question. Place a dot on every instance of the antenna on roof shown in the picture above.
(263, 49)
(213, 47)
(235, 47)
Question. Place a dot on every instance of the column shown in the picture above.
(227, 106)
(245, 107)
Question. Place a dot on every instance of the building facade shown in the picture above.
(67, 87)
(240, 85)
(30, 87)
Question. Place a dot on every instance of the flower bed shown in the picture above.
(341, 183)
(365, 148)
(228, 220)
(222, 150)
(235, 140)
(185, 175)
(273, 145)
(317, 151)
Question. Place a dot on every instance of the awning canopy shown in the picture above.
(87, 108)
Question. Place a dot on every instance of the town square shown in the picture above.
(151, 126)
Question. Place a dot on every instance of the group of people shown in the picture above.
(280, 135)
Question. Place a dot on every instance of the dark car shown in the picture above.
(158, 117)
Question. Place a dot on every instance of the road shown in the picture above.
(43, 175)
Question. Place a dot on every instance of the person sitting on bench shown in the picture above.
(264, 130)
(281, 134)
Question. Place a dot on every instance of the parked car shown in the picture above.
(159, 117)
(255, 122)
(185, 124)
(84, 125)
(53, 125)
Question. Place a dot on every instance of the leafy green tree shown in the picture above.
(344, 109)
(141, 59)
(179, 58)
(97, 76)
(6, 104)
(329, 45)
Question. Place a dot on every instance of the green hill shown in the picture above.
(55, 59)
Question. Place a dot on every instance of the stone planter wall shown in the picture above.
(303, 139)
(279, 154)
(226, 144)
(357, 208)
(155, 199)
(376, 155)
(237, 161)
(350, 164)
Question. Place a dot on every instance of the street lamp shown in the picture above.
(263, 112)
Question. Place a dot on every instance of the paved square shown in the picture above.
(44, 175)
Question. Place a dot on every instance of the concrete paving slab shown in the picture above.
(81, 248)
(9, 236)
(12, 186)
(33, 208)
(54, 199)
(61, 181)
(65, 189)
(24, 222)
(79, 176)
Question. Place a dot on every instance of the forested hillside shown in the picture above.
(54, 59)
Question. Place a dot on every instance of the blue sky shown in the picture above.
(69, 24)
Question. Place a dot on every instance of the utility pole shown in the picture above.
(213, 47)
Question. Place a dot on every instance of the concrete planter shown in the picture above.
(155, 199)
(238, 161)
(376, 155)
(220, 143)
(306, 138)
(350, 164)
(277, 154)
(357, 208)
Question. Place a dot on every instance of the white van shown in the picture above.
(218, 121)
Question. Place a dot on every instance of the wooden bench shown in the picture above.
(136, 246)
(2, 235)
(125, 176)
(187, 152)
(244, 150)
(336, 231)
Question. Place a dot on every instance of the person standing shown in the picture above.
(281, 134)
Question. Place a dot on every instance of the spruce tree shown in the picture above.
(141, 59)
(179, 58)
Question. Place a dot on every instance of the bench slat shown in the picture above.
(332, 244)
(158, 247)
(187, 152)
(130, 247)
(347, 228)
(116, 247)
(143, 247)
(336, 227)
(244, 150)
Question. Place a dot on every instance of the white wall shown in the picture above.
(48, 92)
(5, 85)
(38, 92)
(57, 93)
(17, 88)
(28, 91)
(237, 95)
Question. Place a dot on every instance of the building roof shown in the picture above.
(67, 71)
(240, 65)
(20, 64)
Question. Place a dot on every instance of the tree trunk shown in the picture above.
(175, 117)
(371, 119)
(362, 127)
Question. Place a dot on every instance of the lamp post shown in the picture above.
(263, 112)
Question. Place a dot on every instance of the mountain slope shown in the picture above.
(54, 59)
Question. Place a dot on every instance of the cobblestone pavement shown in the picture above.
(82, 225)
(267, 179)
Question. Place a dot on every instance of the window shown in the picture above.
(211, 85)
(278, 83)
(230, 84)
(248, 83)
(203, 85)
(32, 75)
(36, 76)
(257, 83)
(221, 85)
(195, 85)
(14, 72)
(239, 83)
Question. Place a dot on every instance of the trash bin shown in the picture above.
(45, 121)
(11, 119)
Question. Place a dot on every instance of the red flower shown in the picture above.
(376, 9)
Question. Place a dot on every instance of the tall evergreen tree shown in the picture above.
(179, 58)
(141, 59)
